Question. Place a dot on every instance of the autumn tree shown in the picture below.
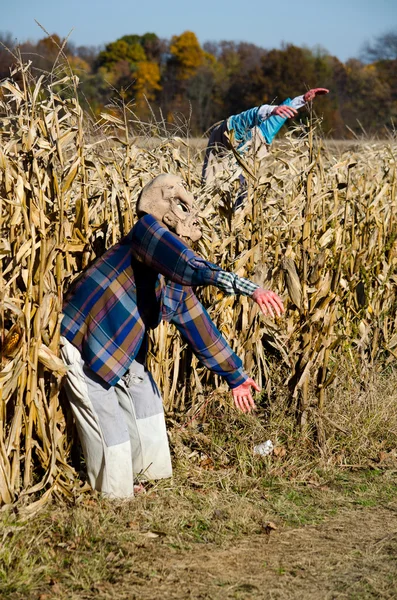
(202, 85)
(127, 65)
(186, 54)
(87, 53)
(146, 84)
(154, 47)
(202, 94)
(365, 99)
(382, 53)
(121, 50)
(185, 57)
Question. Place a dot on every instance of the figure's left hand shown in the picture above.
(242, 395)
(269, 302)
(311, 94)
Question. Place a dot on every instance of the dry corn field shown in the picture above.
(317, 228)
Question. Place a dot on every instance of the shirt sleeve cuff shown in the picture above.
(230, 283)
(236, 378)
(298, 102)
(265, 111)
(246, 287)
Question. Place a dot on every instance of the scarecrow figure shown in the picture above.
(253, 129)
(143, 279)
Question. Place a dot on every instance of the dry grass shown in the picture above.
(319, 229)
(201, 538)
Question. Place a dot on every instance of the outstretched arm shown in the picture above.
(207, 343)
(161, 250)
(289, 111)
(245, 121)
(183, 309)
(273, 120)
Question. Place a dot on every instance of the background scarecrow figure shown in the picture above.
(143, 279)
(253, 129)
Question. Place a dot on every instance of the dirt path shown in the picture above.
(352, 556)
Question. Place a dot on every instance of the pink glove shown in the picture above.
(287, 112)
(242, 395)
(311, 94)
(269, 302)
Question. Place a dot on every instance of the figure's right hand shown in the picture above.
(285, 111)
(269, 302)
(311, 94)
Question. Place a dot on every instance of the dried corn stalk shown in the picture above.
(318, 229)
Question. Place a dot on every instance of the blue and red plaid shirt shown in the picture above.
(143, 279)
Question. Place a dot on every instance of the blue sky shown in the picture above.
(339, 26)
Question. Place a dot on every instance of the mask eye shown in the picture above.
(182, 207)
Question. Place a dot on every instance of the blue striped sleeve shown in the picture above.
(164, 252)
(206, 341)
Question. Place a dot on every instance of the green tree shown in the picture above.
(121, 50)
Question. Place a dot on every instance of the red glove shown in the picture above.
(287, 112)
(269, 302)
(311, 94)
(242, 395)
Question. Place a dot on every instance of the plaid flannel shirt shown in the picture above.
(143, 279)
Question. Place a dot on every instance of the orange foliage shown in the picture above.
(187, 53)
(147, 81)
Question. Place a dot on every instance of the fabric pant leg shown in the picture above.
(101, 425)
(140, 399)
(217, 147)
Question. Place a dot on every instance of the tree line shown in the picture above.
(180, 83)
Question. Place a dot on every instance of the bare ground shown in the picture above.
(353, 555)
(212, 535)
(349, 556)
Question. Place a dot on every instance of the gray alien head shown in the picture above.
(166, 198)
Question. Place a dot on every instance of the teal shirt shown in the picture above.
(243, 123)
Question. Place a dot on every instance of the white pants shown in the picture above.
(121, 428)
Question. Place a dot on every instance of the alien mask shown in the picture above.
(166, 198)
